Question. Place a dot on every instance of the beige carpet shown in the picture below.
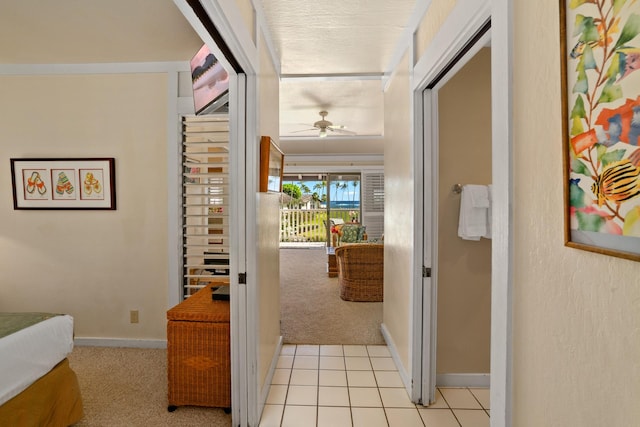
(311, 309)
(128, 387)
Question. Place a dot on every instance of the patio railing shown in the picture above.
(307, 225)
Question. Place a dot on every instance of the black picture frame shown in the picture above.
(63, 183)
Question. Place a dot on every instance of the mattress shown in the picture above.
(30, 353)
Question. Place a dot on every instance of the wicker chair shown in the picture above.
(361, 271)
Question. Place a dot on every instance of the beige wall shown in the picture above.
(267, 222)
(246, 10)
(464, 266)
(268, 286)
(398, 212)
(438, 11)
(94, 265)
(576, 326)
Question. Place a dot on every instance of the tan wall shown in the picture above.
(398, 212)
(576, 314)
(268, 285)
(438, 11)
(464, 267)
(267, 220)
(246, 10)
(94, 265)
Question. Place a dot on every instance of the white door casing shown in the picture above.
(465, 20)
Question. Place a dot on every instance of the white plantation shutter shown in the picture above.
(205, 196)
(373, 203)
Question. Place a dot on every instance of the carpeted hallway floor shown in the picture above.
(311, 309)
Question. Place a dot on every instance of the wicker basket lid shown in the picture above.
(200, 307)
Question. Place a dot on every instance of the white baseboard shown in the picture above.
(396, 358)
(119, 342)
(463, 380)
(272, 368)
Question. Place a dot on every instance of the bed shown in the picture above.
(38, 387)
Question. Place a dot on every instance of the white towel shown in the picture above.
(487, 235)
(474, 207)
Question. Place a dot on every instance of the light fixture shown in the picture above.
(323, 133)
(300, 177)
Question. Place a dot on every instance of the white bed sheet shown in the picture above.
(28, 354)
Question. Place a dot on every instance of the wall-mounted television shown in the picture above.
(210, 82)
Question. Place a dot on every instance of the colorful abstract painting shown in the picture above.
(600, 57)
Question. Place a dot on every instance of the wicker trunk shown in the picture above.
(198, 352)
(361, 272)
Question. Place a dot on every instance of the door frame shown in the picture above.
(243, 129)
(430, 217)
(464, 21)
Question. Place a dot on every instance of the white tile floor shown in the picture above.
(359, 386)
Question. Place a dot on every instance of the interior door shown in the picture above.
(431, 203)
(429, 248)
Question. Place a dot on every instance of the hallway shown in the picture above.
(359, 386)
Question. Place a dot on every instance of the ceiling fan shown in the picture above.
(324, 125)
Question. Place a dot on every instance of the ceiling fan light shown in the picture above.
(323, 133)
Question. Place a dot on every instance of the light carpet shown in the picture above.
(128, 387)
(311, 309)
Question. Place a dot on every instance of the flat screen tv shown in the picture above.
(210, 82)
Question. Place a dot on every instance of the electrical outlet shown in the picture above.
(133, 314)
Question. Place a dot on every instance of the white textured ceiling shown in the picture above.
(323, 47)
(332, 53)
(336, 36)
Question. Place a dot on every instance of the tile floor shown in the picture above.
(359, 386)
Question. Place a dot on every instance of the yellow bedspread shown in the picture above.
(53, 400)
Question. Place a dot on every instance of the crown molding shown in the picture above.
(96, 68)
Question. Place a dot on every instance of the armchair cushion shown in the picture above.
(350, 233)
(362, 232)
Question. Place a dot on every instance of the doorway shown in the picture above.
(463, 269)
(456, 282)
(315, 203)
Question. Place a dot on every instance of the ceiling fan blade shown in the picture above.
(304, 130)
(341, 130)
(322, 103)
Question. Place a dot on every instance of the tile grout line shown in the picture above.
(346, 378)
(449, 406)
(384, 409)
(318, 387)
(479, 403)
(284, 405)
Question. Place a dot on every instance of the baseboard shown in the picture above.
(264, 393)
(396, 358)
(119, 342)
(463, 380)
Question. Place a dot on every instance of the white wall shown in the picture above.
(94, 265)
(398, 213)
(576, 314)
(267, 218)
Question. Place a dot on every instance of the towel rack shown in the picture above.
(457, 188)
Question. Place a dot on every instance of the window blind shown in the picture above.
(205, 197)
(373, 204)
